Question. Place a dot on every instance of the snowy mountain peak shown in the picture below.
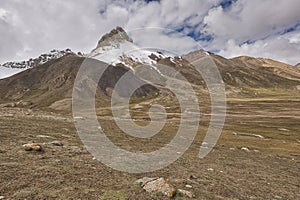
(116, 47)
(33, 62)
(114, 37)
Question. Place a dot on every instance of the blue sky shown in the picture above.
(268, 28)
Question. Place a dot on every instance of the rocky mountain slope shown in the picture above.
(54, 81)
(257, 72)
(10, 68)
(42, 59)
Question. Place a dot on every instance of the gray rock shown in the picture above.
(44, 136)
(185, 193)
(117, 35)
(248, 135)
(245, 149)
(158, 185)
(193, 177)
(56, 143)
(143, 181)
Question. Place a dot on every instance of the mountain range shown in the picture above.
(50, 77)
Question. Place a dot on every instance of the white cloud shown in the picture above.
(260, 22)
(40, 26)
(253, 19)
(277, 48)
(29, 28)
(163, 39)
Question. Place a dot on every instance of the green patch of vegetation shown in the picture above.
(113, 195)
(267, 94)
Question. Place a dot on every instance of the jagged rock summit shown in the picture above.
(114, 37)
(116, 47)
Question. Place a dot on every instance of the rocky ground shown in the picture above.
(257, 156)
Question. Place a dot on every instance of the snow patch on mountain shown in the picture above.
(42, 59)
(117, 53)
(11, 68)
(128, 54)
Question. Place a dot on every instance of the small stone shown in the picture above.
(1, 197)
(186, 193)
(193, 177)
(248, 135)
(160, 185)
(23, 103)
(245, 149)
(44, 136)
(283, 129)
(143, 181)
(210, 169)
(32, 147)
(188, 186)
(277, 197)
(27, 103)
(56, 143)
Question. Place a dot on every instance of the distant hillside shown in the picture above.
(257, 72)
(54, 81)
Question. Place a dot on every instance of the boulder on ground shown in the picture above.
(32, 147)
(157, 185)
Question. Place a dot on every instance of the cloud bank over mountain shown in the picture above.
(269, 28)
